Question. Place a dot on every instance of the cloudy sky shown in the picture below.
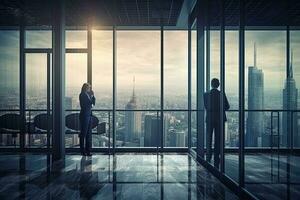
(138, 54)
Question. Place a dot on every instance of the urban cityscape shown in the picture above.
(142, 128)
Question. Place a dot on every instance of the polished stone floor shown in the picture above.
(268, 176)
(118, 177)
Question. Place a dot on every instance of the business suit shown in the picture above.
(86, 102)
(212, 106)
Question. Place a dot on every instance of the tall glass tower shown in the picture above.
(152, 131)
(132, 119)
(255, 120)
(290, 98)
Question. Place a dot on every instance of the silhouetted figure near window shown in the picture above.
(86, 99)
(212, 106)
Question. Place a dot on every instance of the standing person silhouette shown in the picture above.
(213, 124)
(87, 100)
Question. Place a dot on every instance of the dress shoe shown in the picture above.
(89, 154)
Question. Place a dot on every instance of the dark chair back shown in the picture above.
(41, 121)
(10, 122)
(101, 129)
(72, 121)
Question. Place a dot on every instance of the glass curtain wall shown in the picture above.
(295, 72)
(102, 82)
(38, 75)
(266, 160)
(193, 87)
(138, 88)
(76, 71)
(9, 85)
(231, 131)
(231, 76)
(175, 127)
(138, 77)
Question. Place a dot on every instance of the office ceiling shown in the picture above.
(147, 12)
(96, 12)
(257, 12)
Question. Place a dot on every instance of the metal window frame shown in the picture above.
(58, 83)
(222, 87)
(189, 83)
(242, 95)
(238, 188)
(161, 131)
(200, 6)
(114, 90)
(22, 87)
(87, 51)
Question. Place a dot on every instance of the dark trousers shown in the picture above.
(85, 134)
(210, 129)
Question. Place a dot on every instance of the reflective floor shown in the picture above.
(268, 176)
(123, 176)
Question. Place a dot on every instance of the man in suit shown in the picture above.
(87, 100)
(213, 122)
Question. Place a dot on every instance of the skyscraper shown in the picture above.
(290, 98)
(68, 102)
(180, 139)
(255, 120)
(152, 131)
(132, 118)
(166, 127)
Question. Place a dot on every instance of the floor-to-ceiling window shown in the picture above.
(193, 87)
(270, 98)
(138, 88)
(175, 128)
(295, 105)
(265, 72)
(232, 92)
(37, 69)
(76, 71)
(295, 86)
(214, 67)
(9, 82)
(102, 82)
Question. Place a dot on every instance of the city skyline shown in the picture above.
(271, 44)
(138, 55)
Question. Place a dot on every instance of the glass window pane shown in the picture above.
(36, 81)
(138, 87)
(214, 66)
(76, 39)
(103, 68)
(38, 39)
(194, 86)
(9, 81)
(175, 69)
(194, 67)
(232, 93)
(215, 54)
(137, 129)
(295, 104)
(138, 69)
(265, 72)
(265, 77)
(76, 75)
(102, 79)
(175, 129)
(36, 97)
(9, 70)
